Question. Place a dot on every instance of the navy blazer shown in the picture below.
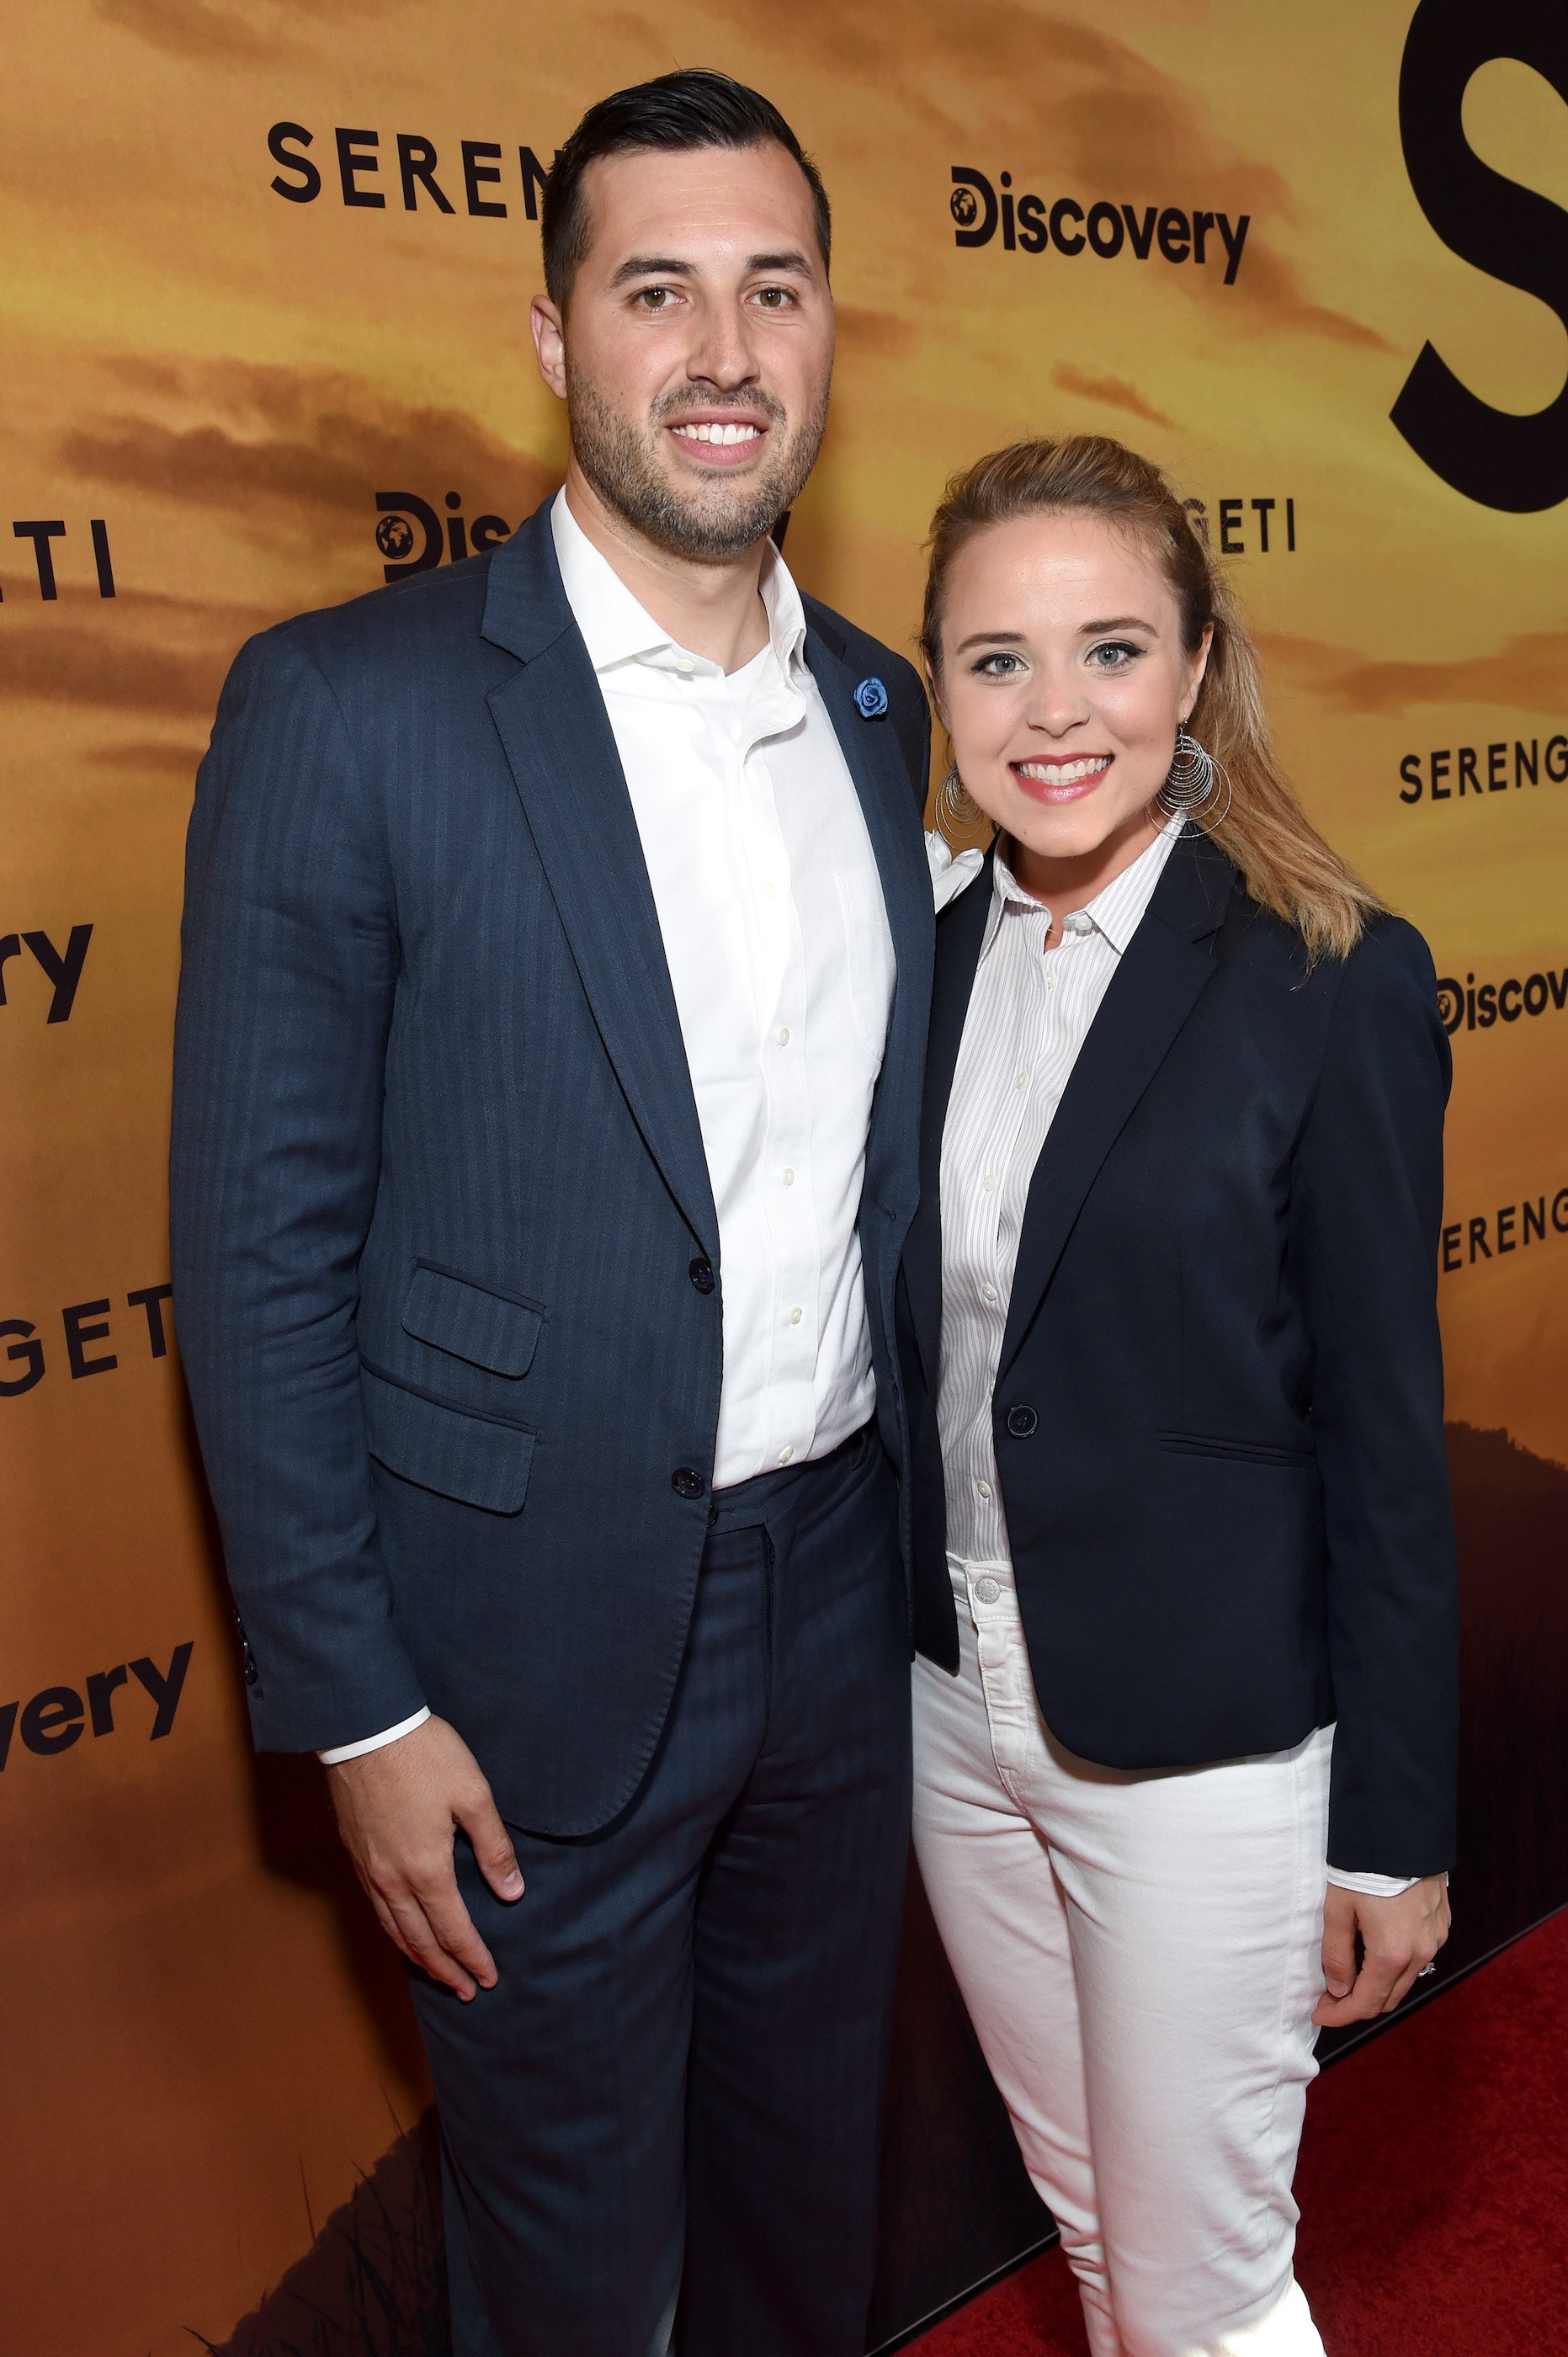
(444, 1241)
(1219, 1409)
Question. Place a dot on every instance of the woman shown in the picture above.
(1185, 1584)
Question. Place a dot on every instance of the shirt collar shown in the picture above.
(617, 629)
(1116, 913)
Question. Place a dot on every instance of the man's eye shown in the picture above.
(776, 298)
(654, 299)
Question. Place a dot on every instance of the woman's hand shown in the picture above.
(1398, 1937)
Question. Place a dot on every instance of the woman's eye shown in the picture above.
(1000, 665)
(1113, 654)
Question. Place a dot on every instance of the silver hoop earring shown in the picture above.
(957, 810)
(1195, 785)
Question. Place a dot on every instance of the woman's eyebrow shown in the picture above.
(1119, 622)
(990, 639)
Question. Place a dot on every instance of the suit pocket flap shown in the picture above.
(488, 1329)
(478, 1460)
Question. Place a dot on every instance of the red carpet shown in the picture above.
(1434, 2187)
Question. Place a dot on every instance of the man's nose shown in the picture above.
(721, 352)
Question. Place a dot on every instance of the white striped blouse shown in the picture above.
(1029, 1014)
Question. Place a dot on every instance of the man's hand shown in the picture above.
(397, 1810)
(1398, 1937)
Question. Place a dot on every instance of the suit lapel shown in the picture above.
(887, 795)
(960, 934)
(1164, 968)
(562, 750)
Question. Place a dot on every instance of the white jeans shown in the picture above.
(1140, 1957)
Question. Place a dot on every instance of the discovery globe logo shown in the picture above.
(394, 538)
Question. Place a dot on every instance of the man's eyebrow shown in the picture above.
(652, 266)
(655, 265)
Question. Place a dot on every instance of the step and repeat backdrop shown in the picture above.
(270, 262)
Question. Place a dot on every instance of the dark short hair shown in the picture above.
(680, 111)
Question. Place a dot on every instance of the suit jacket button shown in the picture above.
(687, 1483)
(1021, 1422)
(702, 1274)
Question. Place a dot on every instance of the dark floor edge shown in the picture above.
(1351, 2046)
(1422, 1997)
(971, 2291)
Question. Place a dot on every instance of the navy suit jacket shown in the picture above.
(1219, 1409)
(444, 1239)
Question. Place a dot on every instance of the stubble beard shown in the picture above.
(709, 523)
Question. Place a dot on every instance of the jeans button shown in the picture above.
(986, 1591)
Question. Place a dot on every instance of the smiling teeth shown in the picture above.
(719, 433)
(1063, 774)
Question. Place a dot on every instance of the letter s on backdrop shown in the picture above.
(1492, 456)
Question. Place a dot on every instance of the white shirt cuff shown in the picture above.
(1373, 1886)
(374, 1742)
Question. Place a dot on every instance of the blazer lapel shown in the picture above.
(960, 932)
(562, 750)
(1165, 967)
(887, 802)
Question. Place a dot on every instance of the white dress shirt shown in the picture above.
(771, 907)
(1029, 1014)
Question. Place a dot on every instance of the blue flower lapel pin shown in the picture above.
(871, 699)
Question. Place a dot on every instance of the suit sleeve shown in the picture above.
(1368, 1208)
(290, 957)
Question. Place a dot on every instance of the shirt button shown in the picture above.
(782, 1035)
(771, 891)
(984, 1488)
(986, 1591)
(684, 663)
(1050, 982)
(785, 1455)
(1022, 1081)
(788, 1177)
(989, 1291)
(989, 1182)
(796, 1316)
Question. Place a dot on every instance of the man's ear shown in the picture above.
(549, 332)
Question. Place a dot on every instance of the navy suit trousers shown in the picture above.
(679, 2077)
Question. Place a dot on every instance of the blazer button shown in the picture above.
(1021, 1422)
(702, 1274)
(687, 1483)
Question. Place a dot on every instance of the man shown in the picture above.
(557, 956)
